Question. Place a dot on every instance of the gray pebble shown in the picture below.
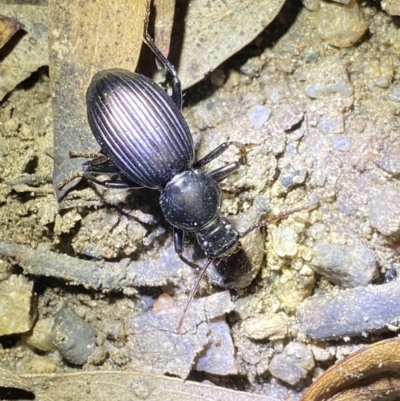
(291, 177)
(382, 82)
(394, 93)
(328, 77)
(346, 265)
(390, 160)
(311, 55)
(284, 241)
(288, 116)
(341, 142)
(384, 209)
(252, 67)
(293, 364)
(340, 25)
(217, 77)
(311, 5)
(258, 115)
(74, 338)
(316, 231)
(219, 356)
(352, 312)
(331, 124)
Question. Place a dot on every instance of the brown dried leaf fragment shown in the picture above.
(8, 27)
(86, 37)
(215, 30)
(164, 16)
(128, 385)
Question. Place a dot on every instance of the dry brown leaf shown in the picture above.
(215, 30)
(164, 20)
(30, 52)
(8, 27)
(128, 386)
(86, 37)
(373, 367)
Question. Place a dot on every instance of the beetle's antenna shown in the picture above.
(273, 218)
(192, 293)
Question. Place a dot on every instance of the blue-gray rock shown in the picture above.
(394, 93)
(390, 159)
(293, 364)
(328, 77)
(291, 177)
(331, 124)
(346, 265)
(352, 312)
(258, 115)
(384, 209)
(341, 142)
(74, 338)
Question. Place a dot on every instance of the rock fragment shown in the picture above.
(392, 7)
(384, 209)
(352, 312)
(329, 77)
(284, 240)
(288, 116)
(341, 142)
(258, 115)
(346, 265)
(74, 338)
(333, 124)
(42, 364)
(17, 305)
(341, 25)
(293, 364)
(394, 93)
(390, 159)
(31, 52)
(40, 337)
(218, 357)
(271, 327)
(157, 345)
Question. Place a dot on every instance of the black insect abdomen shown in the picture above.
(139, 127)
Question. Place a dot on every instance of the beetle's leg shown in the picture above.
(215, 153)
(103, 165)
(175, 82)
(86, 154)
(99, 159)
(220, 173)
(179, 237)
(123, 183)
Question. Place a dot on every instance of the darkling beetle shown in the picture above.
(146, 141)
